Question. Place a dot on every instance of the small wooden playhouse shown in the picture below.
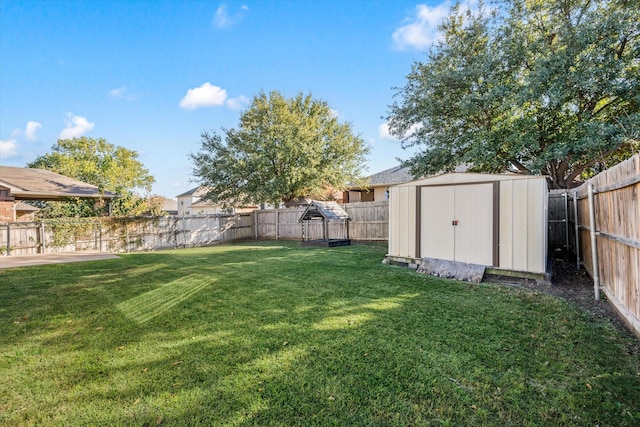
(497, 221)
(335, 224)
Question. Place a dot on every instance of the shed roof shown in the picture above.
(467, 177)
(324, 210)
(41, 184)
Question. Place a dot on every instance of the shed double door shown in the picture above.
(456, 223)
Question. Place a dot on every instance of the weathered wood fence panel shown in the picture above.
(616, 212)
(122, 234)
(370, 222)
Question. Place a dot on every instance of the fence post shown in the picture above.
(576, 227)
(594, 249)
(184, 231)
(8, 239)
(277, 222)
(95, 236)
(42, 238)
(566, 219)
(126, 234)
(255, 223)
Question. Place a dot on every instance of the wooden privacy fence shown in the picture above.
(122, 234)
(369, 222)
(602, 227)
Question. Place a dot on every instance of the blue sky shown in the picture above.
(152, 75)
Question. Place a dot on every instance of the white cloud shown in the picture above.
(76, 127)
(384, 133)
(125, 93)
(30, 131)
(237, 103)
(222, 18)
(8, 148)
(206, 95)
(421, 30)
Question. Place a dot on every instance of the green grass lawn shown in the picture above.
(273, 334)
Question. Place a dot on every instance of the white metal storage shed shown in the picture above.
(499, 221)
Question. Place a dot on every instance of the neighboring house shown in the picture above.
(379, 183)
(192, 203)
(25, 212)
(170, 206)
(162, 206)
(299, 202)
(18, 184)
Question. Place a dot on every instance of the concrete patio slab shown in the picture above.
(60, 258)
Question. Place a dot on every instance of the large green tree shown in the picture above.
(534, 86)
(283, 148)
(96, 161)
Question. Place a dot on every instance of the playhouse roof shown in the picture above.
(324, 210)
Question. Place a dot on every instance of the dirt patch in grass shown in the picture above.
(576, 286)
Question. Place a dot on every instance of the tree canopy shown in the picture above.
(97, 162)
(536, 87)
(282, 149)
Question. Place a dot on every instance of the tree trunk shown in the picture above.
(558, 174)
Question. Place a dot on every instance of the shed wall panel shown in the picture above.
(536, 226)
(402, 222)
(520, 210)
(395, 240)
(412, 223)
(506, 219)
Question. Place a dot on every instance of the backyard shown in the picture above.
(269, 333)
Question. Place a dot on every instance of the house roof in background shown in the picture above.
(203, 204)
(396, 175)
(23, 207)
(41, 184)
(298, 202)
(195, 192)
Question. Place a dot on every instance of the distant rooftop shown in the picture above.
(41, 184)
(396, 175)
(195, 192)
